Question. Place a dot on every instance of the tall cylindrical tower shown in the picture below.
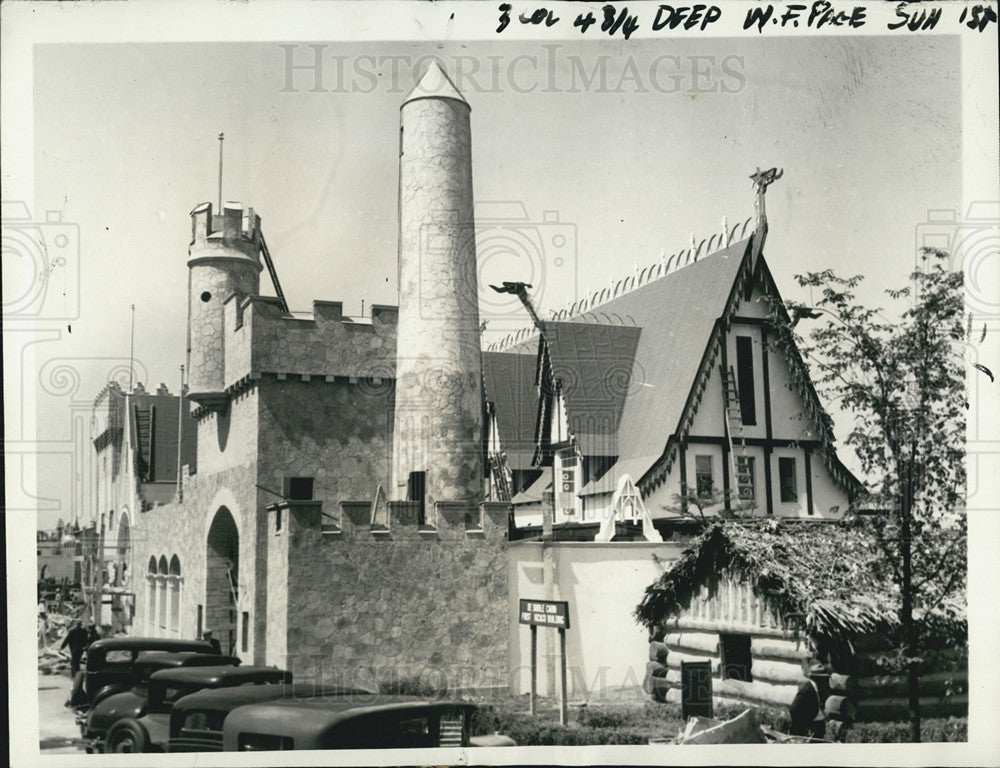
(224, 259)
(439, 411)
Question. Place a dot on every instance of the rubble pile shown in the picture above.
(52, 631)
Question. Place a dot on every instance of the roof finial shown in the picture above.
(761, 181)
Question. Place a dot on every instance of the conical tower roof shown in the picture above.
(435, 84)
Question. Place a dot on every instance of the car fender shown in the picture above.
(109, 690)
(113, 708)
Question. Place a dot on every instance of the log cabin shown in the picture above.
(762, 599)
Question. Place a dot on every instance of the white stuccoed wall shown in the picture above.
(606, 649)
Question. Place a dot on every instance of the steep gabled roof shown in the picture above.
(830, 578)
(679, 313)
(593, 364)
(509, 381)
(670, 322)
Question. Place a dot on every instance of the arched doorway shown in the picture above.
(122, 599)
(222, 579)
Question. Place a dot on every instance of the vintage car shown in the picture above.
(385, 722)
(196, 721)
(113, 704)
(150, 730)
(110, 661)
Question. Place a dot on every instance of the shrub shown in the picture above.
(932, 729)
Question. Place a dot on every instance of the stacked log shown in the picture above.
(898, 708)
(656, 670)
(860, 688)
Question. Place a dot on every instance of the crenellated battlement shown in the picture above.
(235, 228)
(260, 338)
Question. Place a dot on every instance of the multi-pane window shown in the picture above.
(786, 479)
(745, 478)
(703, 481)
(568, 467)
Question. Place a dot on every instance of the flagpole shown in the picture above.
(131, 350)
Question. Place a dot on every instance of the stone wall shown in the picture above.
(260, 339)
(182, 530)
(409, 601)
(336, 432)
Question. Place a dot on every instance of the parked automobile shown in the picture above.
(110, 662)
(113, 704)
(150, 730)
(386, 722)
(196, 721)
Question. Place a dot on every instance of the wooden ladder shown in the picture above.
(739, 466)
(501, 476)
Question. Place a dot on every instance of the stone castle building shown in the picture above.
(338, 508)
(359, 483)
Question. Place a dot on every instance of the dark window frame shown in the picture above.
(735, 657)
(745, 385)
(787, 480)
(299, 488)
(702, 490)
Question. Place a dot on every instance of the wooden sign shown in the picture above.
(544, 613)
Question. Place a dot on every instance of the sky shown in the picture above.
(625, 164)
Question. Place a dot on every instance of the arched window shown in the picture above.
(161, 615)
(174, 588)
(151, 598)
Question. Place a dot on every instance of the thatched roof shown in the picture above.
(828, 579)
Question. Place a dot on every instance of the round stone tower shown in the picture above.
(224, 259)
(439, 410)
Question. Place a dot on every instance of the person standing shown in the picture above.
(216, 645)
(77, 641)
(807, 708)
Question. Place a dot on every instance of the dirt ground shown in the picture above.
(57, 729)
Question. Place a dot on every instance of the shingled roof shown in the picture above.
(828, 577)
(649, 342)
(509, 381)
(594, 365)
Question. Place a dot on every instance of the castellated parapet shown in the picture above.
(261, 340)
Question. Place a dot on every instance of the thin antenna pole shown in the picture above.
(131, 350)
(220, 170)
(180, 437)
